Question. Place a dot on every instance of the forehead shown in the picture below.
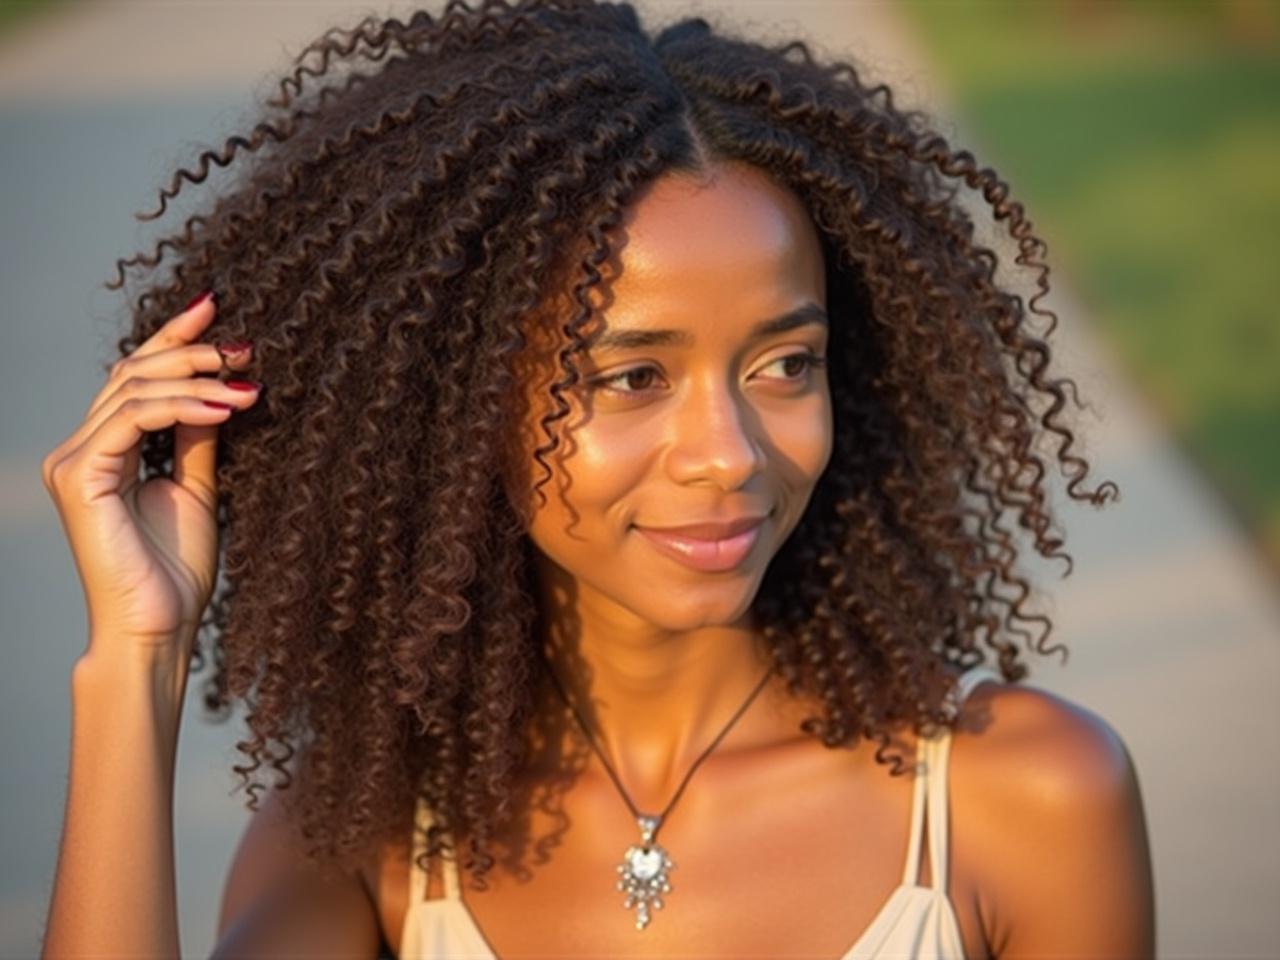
(710, 255)
(736, 237)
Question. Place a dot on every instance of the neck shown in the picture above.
(654, 699)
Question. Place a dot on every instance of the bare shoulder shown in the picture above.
(1051, 795)
(276, 901)
(1044, 747)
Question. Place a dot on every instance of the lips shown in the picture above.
(711, 530)
(708, 555)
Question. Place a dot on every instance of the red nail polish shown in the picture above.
(216, 403)
(233, 347)
(198, 300)
(242, 384)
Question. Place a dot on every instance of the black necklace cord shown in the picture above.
(661, 818)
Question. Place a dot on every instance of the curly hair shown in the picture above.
(393, 234)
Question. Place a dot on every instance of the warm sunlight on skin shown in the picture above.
(720, 424)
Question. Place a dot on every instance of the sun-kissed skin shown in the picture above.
(783, 847)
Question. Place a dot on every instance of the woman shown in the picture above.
(630, 414)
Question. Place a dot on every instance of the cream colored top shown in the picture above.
(915, 922)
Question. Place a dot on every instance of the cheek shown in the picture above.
(594, 472)
(804, 442)
(609, 459)
(824, 442)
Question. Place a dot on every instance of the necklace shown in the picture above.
(644, 866)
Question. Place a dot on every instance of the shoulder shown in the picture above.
(1046, 748)
(1049, 791)
(275, 894)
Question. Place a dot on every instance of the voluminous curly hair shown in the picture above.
(391, 236)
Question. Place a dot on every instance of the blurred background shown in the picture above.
(1147, 136)
(1144, 140)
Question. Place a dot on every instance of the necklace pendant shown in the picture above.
(644, 873)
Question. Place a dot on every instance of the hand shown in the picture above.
(146, 553)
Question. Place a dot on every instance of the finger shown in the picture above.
(110, 444)
(168, 364)
(177, 331)
(183, 327)
(238, 396)
(184, 361)
(195, 456)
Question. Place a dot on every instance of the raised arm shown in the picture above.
(146, 554)
(114, 891)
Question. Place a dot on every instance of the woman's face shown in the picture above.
(688, 413)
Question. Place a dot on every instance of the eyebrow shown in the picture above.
(801, 316)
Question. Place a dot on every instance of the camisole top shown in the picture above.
(915, 922)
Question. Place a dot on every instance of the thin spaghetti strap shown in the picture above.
(452, 886)
(940, 756)
(938, 753)
(418, 876)
(911, 872)
(974, 676)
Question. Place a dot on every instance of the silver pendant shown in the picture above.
(644, 873)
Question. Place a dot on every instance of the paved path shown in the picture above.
(1172, 620)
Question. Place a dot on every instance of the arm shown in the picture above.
(114, 889)
(146, 554)
(1071, 874)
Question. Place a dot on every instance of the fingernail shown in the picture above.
(216, 403)
(233, 348)
(199, 300)
(243, 384)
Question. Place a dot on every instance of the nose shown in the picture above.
(716, 437)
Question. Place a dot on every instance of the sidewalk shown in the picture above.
(1172, 620)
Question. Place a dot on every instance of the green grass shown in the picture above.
(15, 12)
(1145, 146)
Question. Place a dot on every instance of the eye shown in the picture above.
(605, 384)
(806, 360)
